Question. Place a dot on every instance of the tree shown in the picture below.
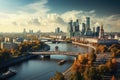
(58, 76)
(91, 73)
(5, 54)
(92, 57)
(113, 78)
(76, 76)
(102, 48)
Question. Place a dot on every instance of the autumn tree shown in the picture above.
(76, 76)
(91, 73)
(58, 76)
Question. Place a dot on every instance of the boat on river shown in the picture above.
(7, 74)
(61, 62)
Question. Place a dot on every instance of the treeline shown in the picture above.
(114, 49)
(84, 68)
(22, 49)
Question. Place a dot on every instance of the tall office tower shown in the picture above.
(70, 26)
(57, 30)
(83, 28)
(30, 31)
(93, 31)
(88, 31)
(101, 33)
(74, 26)
(88, 22)
(97, 31)
(24, 31)
(70, 29)
(77, 26)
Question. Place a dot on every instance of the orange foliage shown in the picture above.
(113, 78)
(114, 60)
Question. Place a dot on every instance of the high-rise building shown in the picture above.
(74, 26)
(83, 28)
(93, 31)
(70, 26)
(70, 29)
(101, 33)
(30, 31)
(24, 31)
(97, 30)
(88, 31)
(77, 26)
(57, 30)
(88, 22)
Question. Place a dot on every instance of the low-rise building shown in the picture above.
(99, 40)
(8, 45)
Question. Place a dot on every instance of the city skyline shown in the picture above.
(46, 15)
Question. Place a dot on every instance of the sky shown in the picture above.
(46, 15)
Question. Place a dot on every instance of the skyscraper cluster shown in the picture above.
(74, 29)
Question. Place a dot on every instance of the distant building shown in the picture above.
(57, 30)
(74, 26)
(30, 31)
(70, 29)
(6, 39)
(83, 28)
(73, 29)
(101, 33)
(93, 31)
(18, 40)
(99, 41)
(70, 26)
(97, 30)
(88, 22)
(77, 26)
(24, 31)
(8, 45)
(116, 36)
(88, 31)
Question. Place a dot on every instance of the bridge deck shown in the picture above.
(56, 53)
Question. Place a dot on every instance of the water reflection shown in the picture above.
(43, 69)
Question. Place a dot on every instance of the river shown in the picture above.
(43, 69)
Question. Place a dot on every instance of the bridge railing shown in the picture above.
(56, 53)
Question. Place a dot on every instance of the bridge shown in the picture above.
(56, 53)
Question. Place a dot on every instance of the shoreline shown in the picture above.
(86, 45)
(17, 60)
(67, 72)
(30, 56)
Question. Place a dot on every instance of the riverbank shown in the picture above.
(68, 72)
(14, 61)
(86, 45)
(27, 56)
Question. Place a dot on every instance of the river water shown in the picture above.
(43, 69)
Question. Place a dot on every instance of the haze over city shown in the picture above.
(46, 15)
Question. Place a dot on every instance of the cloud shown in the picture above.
(34, 21)
(92, 11)
(14, 23)
(36, 16)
